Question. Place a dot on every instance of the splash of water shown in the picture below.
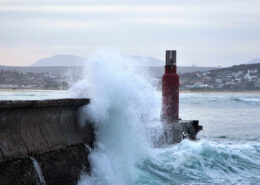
(122, 103)
(40, 180)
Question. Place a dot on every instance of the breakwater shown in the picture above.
(46, 133)
(44, 142)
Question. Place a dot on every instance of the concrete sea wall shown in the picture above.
(47, 132)
(44, 143)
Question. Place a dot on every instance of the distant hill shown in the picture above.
(61, 70)
(61, 60)
(59, 64)
(72, 60)
(143, 61)
(71, 64)
(244, 77)
(236, 68)
(56, 70)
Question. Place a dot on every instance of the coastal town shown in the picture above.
(11, 79)
(235, 78)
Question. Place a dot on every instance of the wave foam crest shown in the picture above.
(203, 162)
(122, 101)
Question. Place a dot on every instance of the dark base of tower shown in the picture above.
(175, 132)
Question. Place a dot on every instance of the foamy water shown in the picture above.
(124, 104)
(203, 162)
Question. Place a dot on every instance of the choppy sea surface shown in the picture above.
(227, 152)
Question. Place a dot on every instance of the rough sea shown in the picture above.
(123, 105)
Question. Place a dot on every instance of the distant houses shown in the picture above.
(11, 79)
(240, 78)
(235, 78)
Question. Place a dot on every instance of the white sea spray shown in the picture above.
(122, 103)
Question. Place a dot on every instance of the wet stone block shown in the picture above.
(64, 166)
(17, 172)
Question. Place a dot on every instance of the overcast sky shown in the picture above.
(204, 32)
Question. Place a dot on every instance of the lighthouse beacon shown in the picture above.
(170, 90)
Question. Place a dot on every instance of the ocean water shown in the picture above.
(124, 105)
(227, 152)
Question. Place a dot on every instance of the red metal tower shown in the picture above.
(170, 89)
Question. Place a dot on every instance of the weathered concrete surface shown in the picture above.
(175, 132)
(40, 126)
(50, 132)
(42, 103)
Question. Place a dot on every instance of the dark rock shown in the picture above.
(175, 132)
(64, 166)
(17, 172)
(59, 167)
(41, 126)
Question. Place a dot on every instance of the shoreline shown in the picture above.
(181, 91)
(220, 92)
(30, 90)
